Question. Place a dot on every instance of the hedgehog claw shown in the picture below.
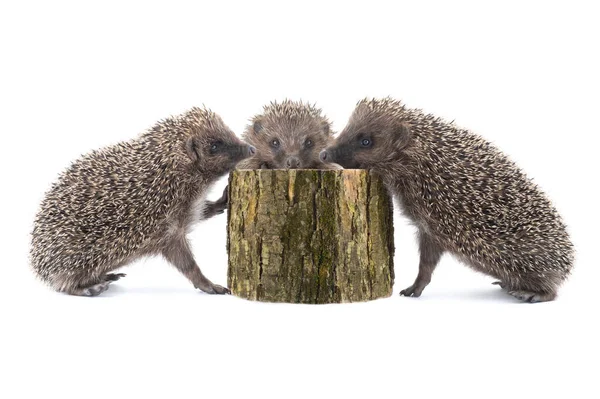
(532, 297)
(217, 207)
(114, 276)
(220, 290)
(413, 291)
(500, 283)
(522, 295)
(212, 289)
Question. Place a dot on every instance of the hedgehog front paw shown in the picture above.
(213, 209)
(217, 207)
(211, 288)
(220, 290)
(414, 290)
(500, 283)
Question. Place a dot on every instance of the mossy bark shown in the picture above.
(309, 236)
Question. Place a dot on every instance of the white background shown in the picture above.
(76, 77)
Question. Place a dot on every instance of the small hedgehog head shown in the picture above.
(212, 147)
(289, 135)
(374, 135)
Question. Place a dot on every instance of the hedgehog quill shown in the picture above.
(464, 196)
(133, 199)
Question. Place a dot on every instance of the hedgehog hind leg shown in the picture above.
(100, 287)
(87, 287)
(93, 289)
(526, 294)
(535, 287)
(533, 297)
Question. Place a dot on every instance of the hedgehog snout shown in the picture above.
(237, 152)
(323, 155)
(292, 163)
(245, 150)
(341, 155)
(329, 155)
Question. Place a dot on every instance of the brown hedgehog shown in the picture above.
(287, 135)
(134, 199)
(463, 194)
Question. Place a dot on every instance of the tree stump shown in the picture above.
(309, 236)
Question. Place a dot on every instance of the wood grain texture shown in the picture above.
(309, 236)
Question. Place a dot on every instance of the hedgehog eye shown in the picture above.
(214, 147)
(308, 143)
(275, 143)
(366, 142)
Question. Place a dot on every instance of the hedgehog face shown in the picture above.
(289, 145)
(215, 149)
(372, 138)
(288, 135)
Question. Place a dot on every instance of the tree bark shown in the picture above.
(309, 236)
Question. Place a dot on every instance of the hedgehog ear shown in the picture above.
(403, 135)
(192, 147)
(257, 126)
(326, 128)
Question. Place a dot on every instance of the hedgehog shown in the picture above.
(287, 135)
(133, 199)
(464, 196)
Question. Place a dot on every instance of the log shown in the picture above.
(309, 236)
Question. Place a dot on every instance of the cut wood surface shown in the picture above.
(309, 236)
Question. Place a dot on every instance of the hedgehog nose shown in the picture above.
(251, 150)
(323, 156)
(292, 163)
